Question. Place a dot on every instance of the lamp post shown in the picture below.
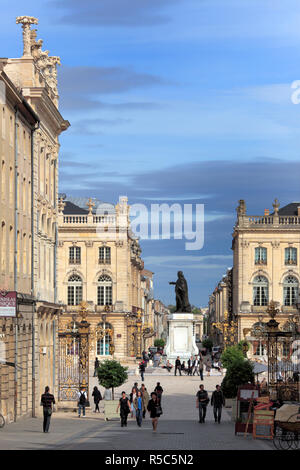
(139, 324)
(83, 330)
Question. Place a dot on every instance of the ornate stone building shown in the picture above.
(99, 262)
(29, 128)
(220, 308)
(266, 266)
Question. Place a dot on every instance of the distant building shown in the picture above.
(266, 266)
(99, 262)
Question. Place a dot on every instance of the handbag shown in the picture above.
(159, 411)
(49, 411)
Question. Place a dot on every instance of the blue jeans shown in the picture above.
(81, 407)
(139, 417)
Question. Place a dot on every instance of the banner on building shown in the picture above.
(8, 304)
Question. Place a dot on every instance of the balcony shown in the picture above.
(261, 262)
(104, 261)
(290, 262)
(74, 261)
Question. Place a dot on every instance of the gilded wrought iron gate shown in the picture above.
(73, 369)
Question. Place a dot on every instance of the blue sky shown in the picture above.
(175, 101)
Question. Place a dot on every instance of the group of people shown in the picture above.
(217, 401)
(139, 402)
(195, 365)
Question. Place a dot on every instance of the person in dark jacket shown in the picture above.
(217, 401)
(47, 400)
(159, 391)
(177, 365)
(142, 369)
(201, 403)
(155, 410)
(97, 398)
(124, 405)
(191, 364)
(96, 365)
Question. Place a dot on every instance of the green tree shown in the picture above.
(207, 343)
(230, 354)
(111, 374)
(244, 346)
(159, 343)
(238, 373)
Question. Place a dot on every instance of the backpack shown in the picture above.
(82, 398)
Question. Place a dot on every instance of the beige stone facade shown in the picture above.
(220, 307)
(266, 266)
(29, 129)
(99, 262)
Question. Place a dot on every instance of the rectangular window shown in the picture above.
(290, 256)
(104, 255)
(260, 255)
(75, 255)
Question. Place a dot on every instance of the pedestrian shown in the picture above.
(139, 406)
(97, 398)
(155, 410)
(47, 400)
(156, 359)
(82, 402)
(124, 405)
(145, 396)
(196, 366)
(168, 366)
(96, 365)
(177, 365)
(183, 368)
(142, 369)
(200, 368)
(191, 363)
(132, 397)
(217, 401)
(159, 391)
(202, 402)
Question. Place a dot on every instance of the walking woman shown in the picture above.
(139, 405)
(97, 398)
(47, 400)
(124, 405)
(132, 398)
(155, 410)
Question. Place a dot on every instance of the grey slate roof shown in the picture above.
(289, 209)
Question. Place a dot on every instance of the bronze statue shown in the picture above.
(181, 291)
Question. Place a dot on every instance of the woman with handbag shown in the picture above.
(46, 402)
(155, 410)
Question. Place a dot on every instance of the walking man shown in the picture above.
(159, 391)
(202, 402)
(217, 401)
(145, 396)
(196, 366)
(139, 406)
(178, 365)
(191, 364)
(82, 399)
(46, 401)
(142, 369)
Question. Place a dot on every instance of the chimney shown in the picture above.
(267, 211)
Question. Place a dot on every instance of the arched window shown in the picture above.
(103, 344)
(104, 290)
(74, 290)
(290, 290)
(260, 291)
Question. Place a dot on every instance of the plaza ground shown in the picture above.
(178, 427)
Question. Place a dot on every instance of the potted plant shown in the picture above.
(111, 374)
(239, 371)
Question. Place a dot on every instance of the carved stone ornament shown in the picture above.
(26, 22)
(275, 244)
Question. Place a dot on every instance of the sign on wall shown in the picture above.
(8, 304)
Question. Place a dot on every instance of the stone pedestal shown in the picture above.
(181, 337)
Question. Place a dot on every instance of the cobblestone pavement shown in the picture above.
(178, 427)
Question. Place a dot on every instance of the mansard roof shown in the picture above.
(289, 209)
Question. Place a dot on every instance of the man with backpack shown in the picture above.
(82, 402)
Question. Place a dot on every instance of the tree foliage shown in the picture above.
(238, 373)
(159, 343)
(111, 374)
(231, 354)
